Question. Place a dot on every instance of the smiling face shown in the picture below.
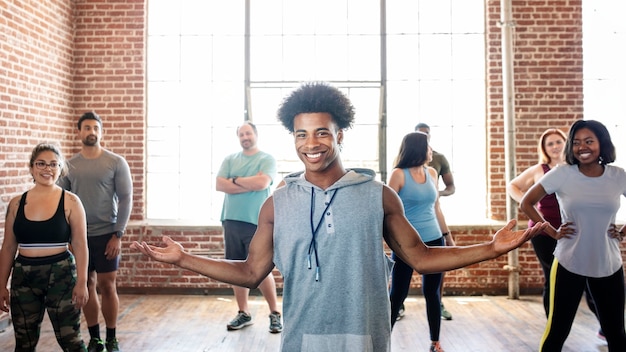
(42, 168)
(317, 140)
(247, 137)
(553, 146)
(586, 147)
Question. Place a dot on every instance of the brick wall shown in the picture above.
(35, 88)
(109, 78)
(61, 58)
(548, 74)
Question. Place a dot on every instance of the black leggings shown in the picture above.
(400, 282)
(544, 246)
(566, 291)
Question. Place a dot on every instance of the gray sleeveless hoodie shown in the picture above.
(335, 294)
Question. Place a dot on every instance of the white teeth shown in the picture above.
(313, 156)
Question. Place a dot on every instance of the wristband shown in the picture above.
(445, 234)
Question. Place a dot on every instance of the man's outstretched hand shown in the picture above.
(506, 239)
(171, 253)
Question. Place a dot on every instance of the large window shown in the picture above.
(604, 72)
(436, 75)
(209, 69)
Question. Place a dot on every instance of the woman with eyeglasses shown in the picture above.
(40, 224)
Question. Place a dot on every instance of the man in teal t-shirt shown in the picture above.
(246, 177)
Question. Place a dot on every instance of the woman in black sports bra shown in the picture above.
(45, 275)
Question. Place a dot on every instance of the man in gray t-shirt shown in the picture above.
(102, 181)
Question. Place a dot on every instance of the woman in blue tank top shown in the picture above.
(416, 184)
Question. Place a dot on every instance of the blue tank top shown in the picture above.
(55, 230)
(419, 205)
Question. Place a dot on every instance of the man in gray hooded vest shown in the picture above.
(324, 230)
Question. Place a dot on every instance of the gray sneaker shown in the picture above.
(241, 321)
(445, 314)
(275, 324)
(400, 312)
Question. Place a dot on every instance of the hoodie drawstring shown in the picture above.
(314, 229)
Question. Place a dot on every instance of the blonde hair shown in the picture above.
(544, 158)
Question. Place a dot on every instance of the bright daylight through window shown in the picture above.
(199, 89)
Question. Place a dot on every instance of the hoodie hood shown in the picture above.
(352, 177)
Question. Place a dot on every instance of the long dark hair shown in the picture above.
(413, 151)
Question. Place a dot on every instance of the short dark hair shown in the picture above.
(89, 116)
(317, 97)
(250, 124)
(421, 125)
(413, 151)
(607, 149)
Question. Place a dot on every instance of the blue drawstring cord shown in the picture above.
(314, 229)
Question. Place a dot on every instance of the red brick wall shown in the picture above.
(35, 88)
(35, 85)
(109, 78)
(548, 74)
(61, 58)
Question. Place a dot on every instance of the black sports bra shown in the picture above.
(47, 233)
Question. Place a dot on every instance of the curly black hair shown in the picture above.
(318, 97)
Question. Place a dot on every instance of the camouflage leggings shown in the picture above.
(40, 284)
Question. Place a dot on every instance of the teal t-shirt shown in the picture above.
(245, 206)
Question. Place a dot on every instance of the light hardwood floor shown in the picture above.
(188, 323)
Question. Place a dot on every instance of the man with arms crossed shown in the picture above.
(246, 177)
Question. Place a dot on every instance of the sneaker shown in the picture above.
(96, 345)
(275, 324)
(241, 321)
(435, 347)
(601, 335)
(113, 345)
(400, 312)
(445, 314)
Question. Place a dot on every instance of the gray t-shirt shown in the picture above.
(104, 186)
(591, 204)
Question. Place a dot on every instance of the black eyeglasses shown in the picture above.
(42, 165)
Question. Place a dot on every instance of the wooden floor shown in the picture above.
(160, 323)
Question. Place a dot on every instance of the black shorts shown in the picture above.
(237, 238)
(97, 260)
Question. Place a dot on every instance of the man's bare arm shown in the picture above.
(246, 273)
(404, 240)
